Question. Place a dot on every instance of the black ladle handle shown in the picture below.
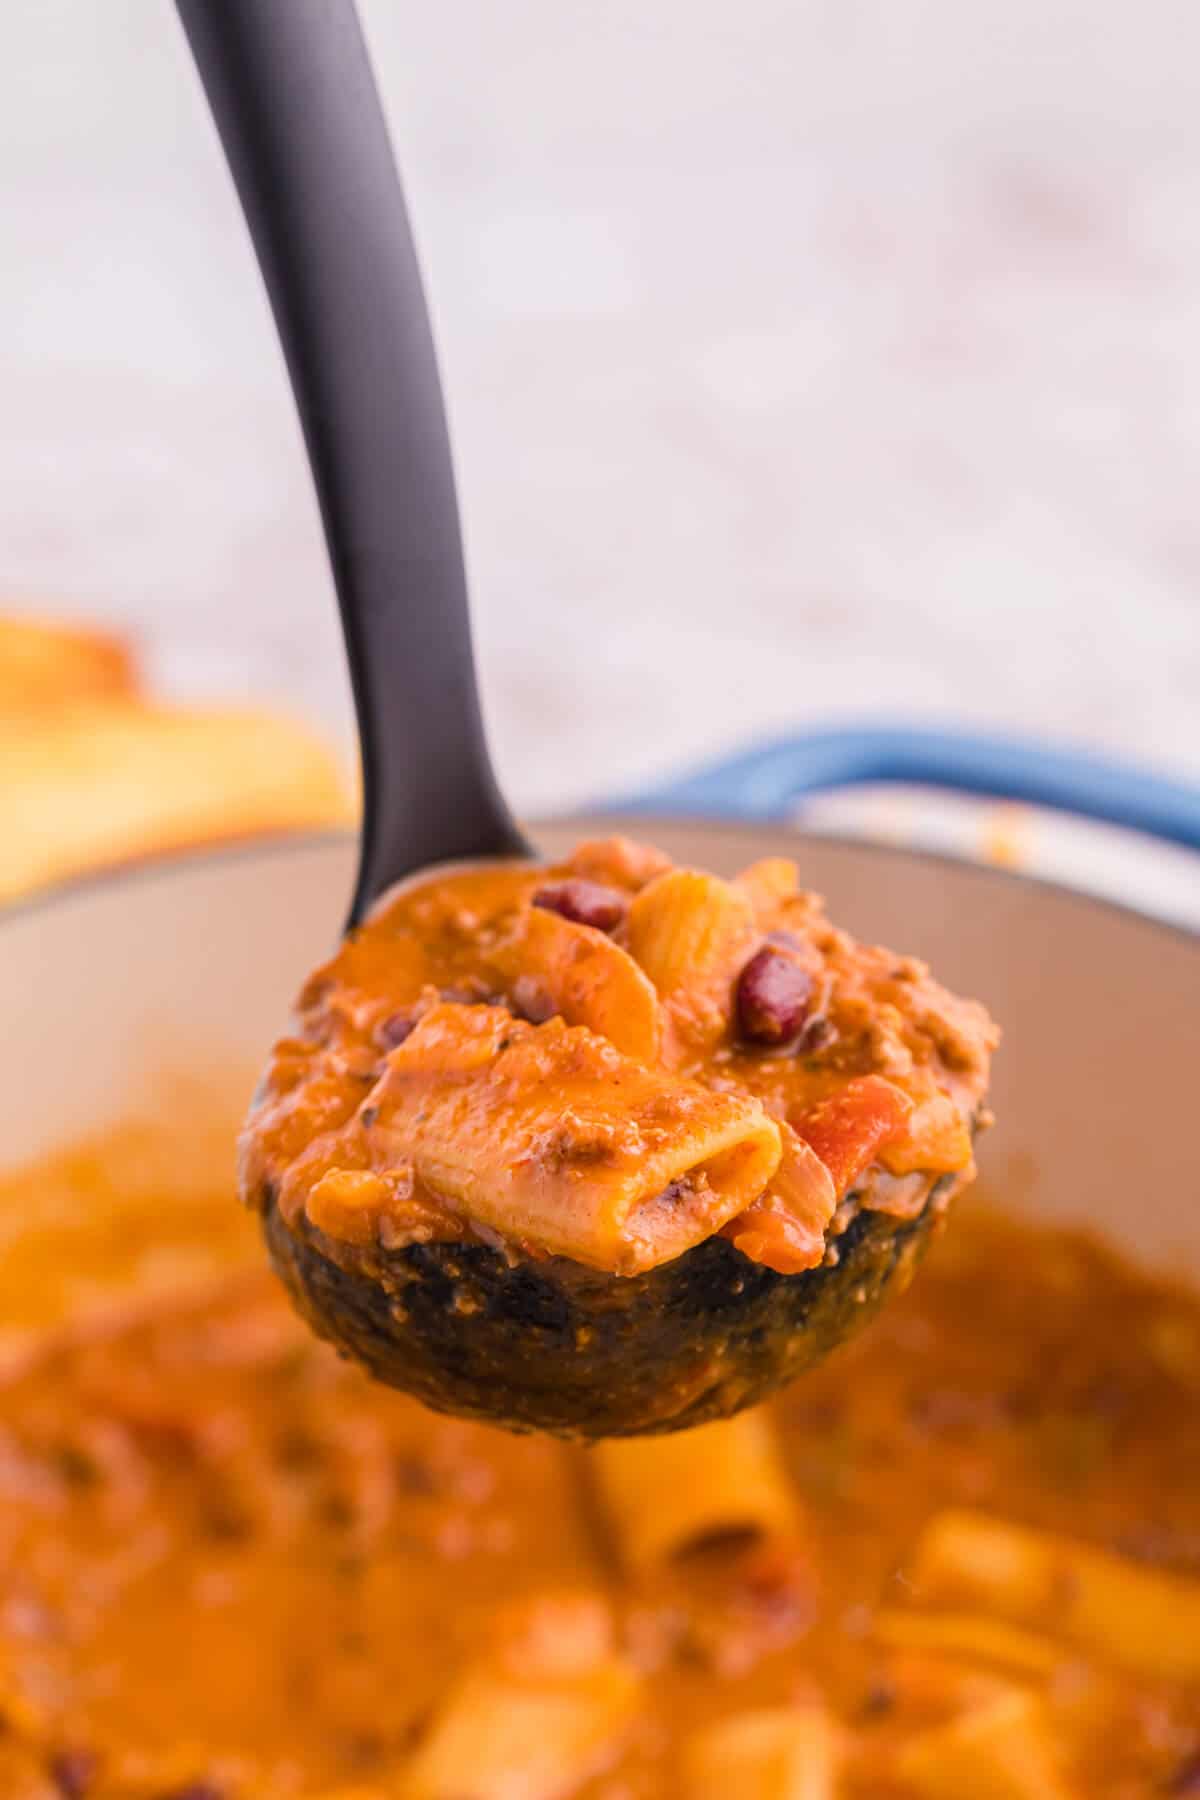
(291, 89)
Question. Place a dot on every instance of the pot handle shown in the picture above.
(765, 783)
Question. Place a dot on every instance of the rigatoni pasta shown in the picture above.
(552, 1137)
(1004, 1751)
(775, 1753)
(973, 1638)
(665, 1496)
(1135, 1617)
(582, 976)
(692, 933)
(767, 883)
(540, 1710)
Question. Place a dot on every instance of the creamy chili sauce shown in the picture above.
(511, 1051)
(230, 1566)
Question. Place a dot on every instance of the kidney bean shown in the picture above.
(195, 1790)
(73, 1772)
(1186, 1779)
(77, 1468)
(774, 993)
(583, 902)
(393, 1031)
(878, 1701)
(531, 1001)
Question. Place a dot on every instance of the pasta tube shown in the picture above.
(692, 933)
(1136, 1618)
(666, 1495)
(535, 1715)
(553, 965)
(970, 1637)
(778, 1753)
(549, 1135)
(767, 883)
(1003, 1751)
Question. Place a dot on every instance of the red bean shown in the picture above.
(774, 993)
(531, 1001)
(73, 1772)
(878, 1701)
(1186, 1779)
(583, 902)
(394, 1029)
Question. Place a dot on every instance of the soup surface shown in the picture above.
(962, 1558)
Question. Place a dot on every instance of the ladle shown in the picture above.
(547, 1345)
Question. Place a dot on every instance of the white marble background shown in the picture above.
(805, 358)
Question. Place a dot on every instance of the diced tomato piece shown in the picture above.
(785, 1227)
(770, 1235)
(849, 1129)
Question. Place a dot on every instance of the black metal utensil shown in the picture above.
(295, 101)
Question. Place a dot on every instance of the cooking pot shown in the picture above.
(192, 963)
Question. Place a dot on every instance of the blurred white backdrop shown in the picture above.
(806, 359)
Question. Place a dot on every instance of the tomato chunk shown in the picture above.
(767, 1233)
(785, 1227)
(849, 1129)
